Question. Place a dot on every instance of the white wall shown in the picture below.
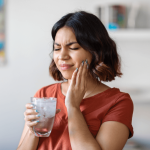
(28, 44)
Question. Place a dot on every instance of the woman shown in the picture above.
(93, 116)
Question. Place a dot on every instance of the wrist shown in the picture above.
(31, 132)
(70, 106)
(72, 109)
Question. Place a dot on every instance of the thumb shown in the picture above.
(57, 111)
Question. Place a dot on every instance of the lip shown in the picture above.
(65, 67)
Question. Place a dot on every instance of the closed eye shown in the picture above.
(74, 48)
(70, 48)
(56, 49)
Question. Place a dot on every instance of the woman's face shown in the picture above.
(68, 51)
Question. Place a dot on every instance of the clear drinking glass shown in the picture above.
(47, 110)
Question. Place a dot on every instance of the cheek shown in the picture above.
(84, 56)
(55, 57)
(55, 62)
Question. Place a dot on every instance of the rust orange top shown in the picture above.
(110, 105)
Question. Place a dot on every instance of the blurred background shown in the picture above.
(25, 44)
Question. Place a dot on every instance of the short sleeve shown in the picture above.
(121, 111)
(37, 94)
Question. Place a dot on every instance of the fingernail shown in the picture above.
(87, 66)
(38, 115)
(36, 111)
(37, 121)
(82, 62)
(86, 61)
(32, 105)
(76, 69)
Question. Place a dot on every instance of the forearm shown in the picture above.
(80, 135)
(30, 142)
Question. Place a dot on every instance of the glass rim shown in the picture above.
(44, 98)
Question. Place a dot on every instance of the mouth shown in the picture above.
(66, 67)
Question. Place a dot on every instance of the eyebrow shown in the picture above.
(66, 44)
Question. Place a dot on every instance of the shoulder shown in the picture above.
(124, 98)
(114, 92)
(117, 95)
(118, 103)
(123, 101)
(118, 100)
(46, 90)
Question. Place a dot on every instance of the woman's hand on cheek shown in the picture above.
(77, 87)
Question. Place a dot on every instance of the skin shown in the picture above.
(73, 54)
(28, 140)
(111, 135)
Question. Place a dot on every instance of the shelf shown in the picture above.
(130, 34)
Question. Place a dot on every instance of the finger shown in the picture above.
(73, 78)
(31, 117)
(31, 112)
(57, 111)
(29, 105)
(32, 123)
(79, 74)
(84, 73)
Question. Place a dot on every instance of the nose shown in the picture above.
(63, 54)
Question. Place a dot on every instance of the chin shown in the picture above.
(67, 76)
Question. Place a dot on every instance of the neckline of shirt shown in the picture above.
(101, 93)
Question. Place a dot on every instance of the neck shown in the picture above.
(91, 84)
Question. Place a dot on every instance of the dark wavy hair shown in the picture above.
(92, 36)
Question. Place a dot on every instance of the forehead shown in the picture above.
(65, 35)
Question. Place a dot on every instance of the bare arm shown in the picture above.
(112, 135)
(28, 140)
(80, 135)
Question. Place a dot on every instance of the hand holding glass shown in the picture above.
(46, 108)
